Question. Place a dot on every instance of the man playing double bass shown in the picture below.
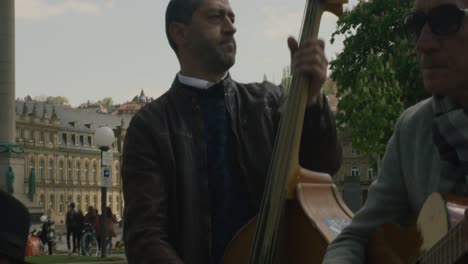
(195, 160)
(428, 151)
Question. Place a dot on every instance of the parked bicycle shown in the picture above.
(89, 243)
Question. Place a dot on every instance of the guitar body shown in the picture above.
(427, 239)
(311, 221)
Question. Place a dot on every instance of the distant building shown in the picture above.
(132, 107)
(355, 175)
(59, 146)
(94, 107)
(356, 172)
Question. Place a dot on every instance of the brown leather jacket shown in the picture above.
(167, 217)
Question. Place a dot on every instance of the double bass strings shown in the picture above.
(275, 194)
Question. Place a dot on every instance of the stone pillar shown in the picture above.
(7, 96)
(7, 72)
(10, 154)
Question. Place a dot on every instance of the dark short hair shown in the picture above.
(72, 205)
(179, 11)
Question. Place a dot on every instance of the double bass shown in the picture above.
(301, 211)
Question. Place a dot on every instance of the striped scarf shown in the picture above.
(450, 135)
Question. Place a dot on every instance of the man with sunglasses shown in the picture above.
(428, 151)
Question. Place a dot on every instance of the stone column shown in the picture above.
(7, 72)
(7, 96)
(10, 154)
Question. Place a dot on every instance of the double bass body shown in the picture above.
(312, 219)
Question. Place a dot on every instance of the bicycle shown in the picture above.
(89, 243)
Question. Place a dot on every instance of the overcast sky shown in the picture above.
(91, 49)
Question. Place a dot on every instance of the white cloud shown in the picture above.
(44, 9)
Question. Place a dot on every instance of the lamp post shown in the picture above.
(104, 137)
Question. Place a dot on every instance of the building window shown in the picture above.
(41, 170)
(370, 173)
(82, 140)
(51, 170)
(73, 140)
(355, 172)
(20, 134)
(31, 165)
(69, 171)
(52, 202)
(95, 202)
(78, 171)
(90, 142)
(94, 172)
(61, 204)
(41, 136)
(69, 199)
(86, 202)
(31, 135)
(51, 138)
(64, 139)
(41, 200)
(86, 171)
(61, 171)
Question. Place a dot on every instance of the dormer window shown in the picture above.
(64, 139)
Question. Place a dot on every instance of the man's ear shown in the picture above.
(178, 33)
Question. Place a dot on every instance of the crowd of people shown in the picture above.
(15, 228)
(75, 223)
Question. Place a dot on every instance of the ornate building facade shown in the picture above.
(59, 148)
(355, 175)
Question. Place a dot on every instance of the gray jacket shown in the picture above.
(411, 170)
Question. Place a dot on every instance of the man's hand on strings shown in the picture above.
(309, 59)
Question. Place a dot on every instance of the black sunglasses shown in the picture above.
(443, 20)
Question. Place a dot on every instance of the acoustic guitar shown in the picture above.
(435, 237)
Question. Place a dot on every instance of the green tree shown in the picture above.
(60, 100)
(107, 102)
(377, 73)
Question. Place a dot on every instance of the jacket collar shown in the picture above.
(180, 89)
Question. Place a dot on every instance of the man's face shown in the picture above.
(444, 59)
(210, 35)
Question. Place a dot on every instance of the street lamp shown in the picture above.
(104, 137)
